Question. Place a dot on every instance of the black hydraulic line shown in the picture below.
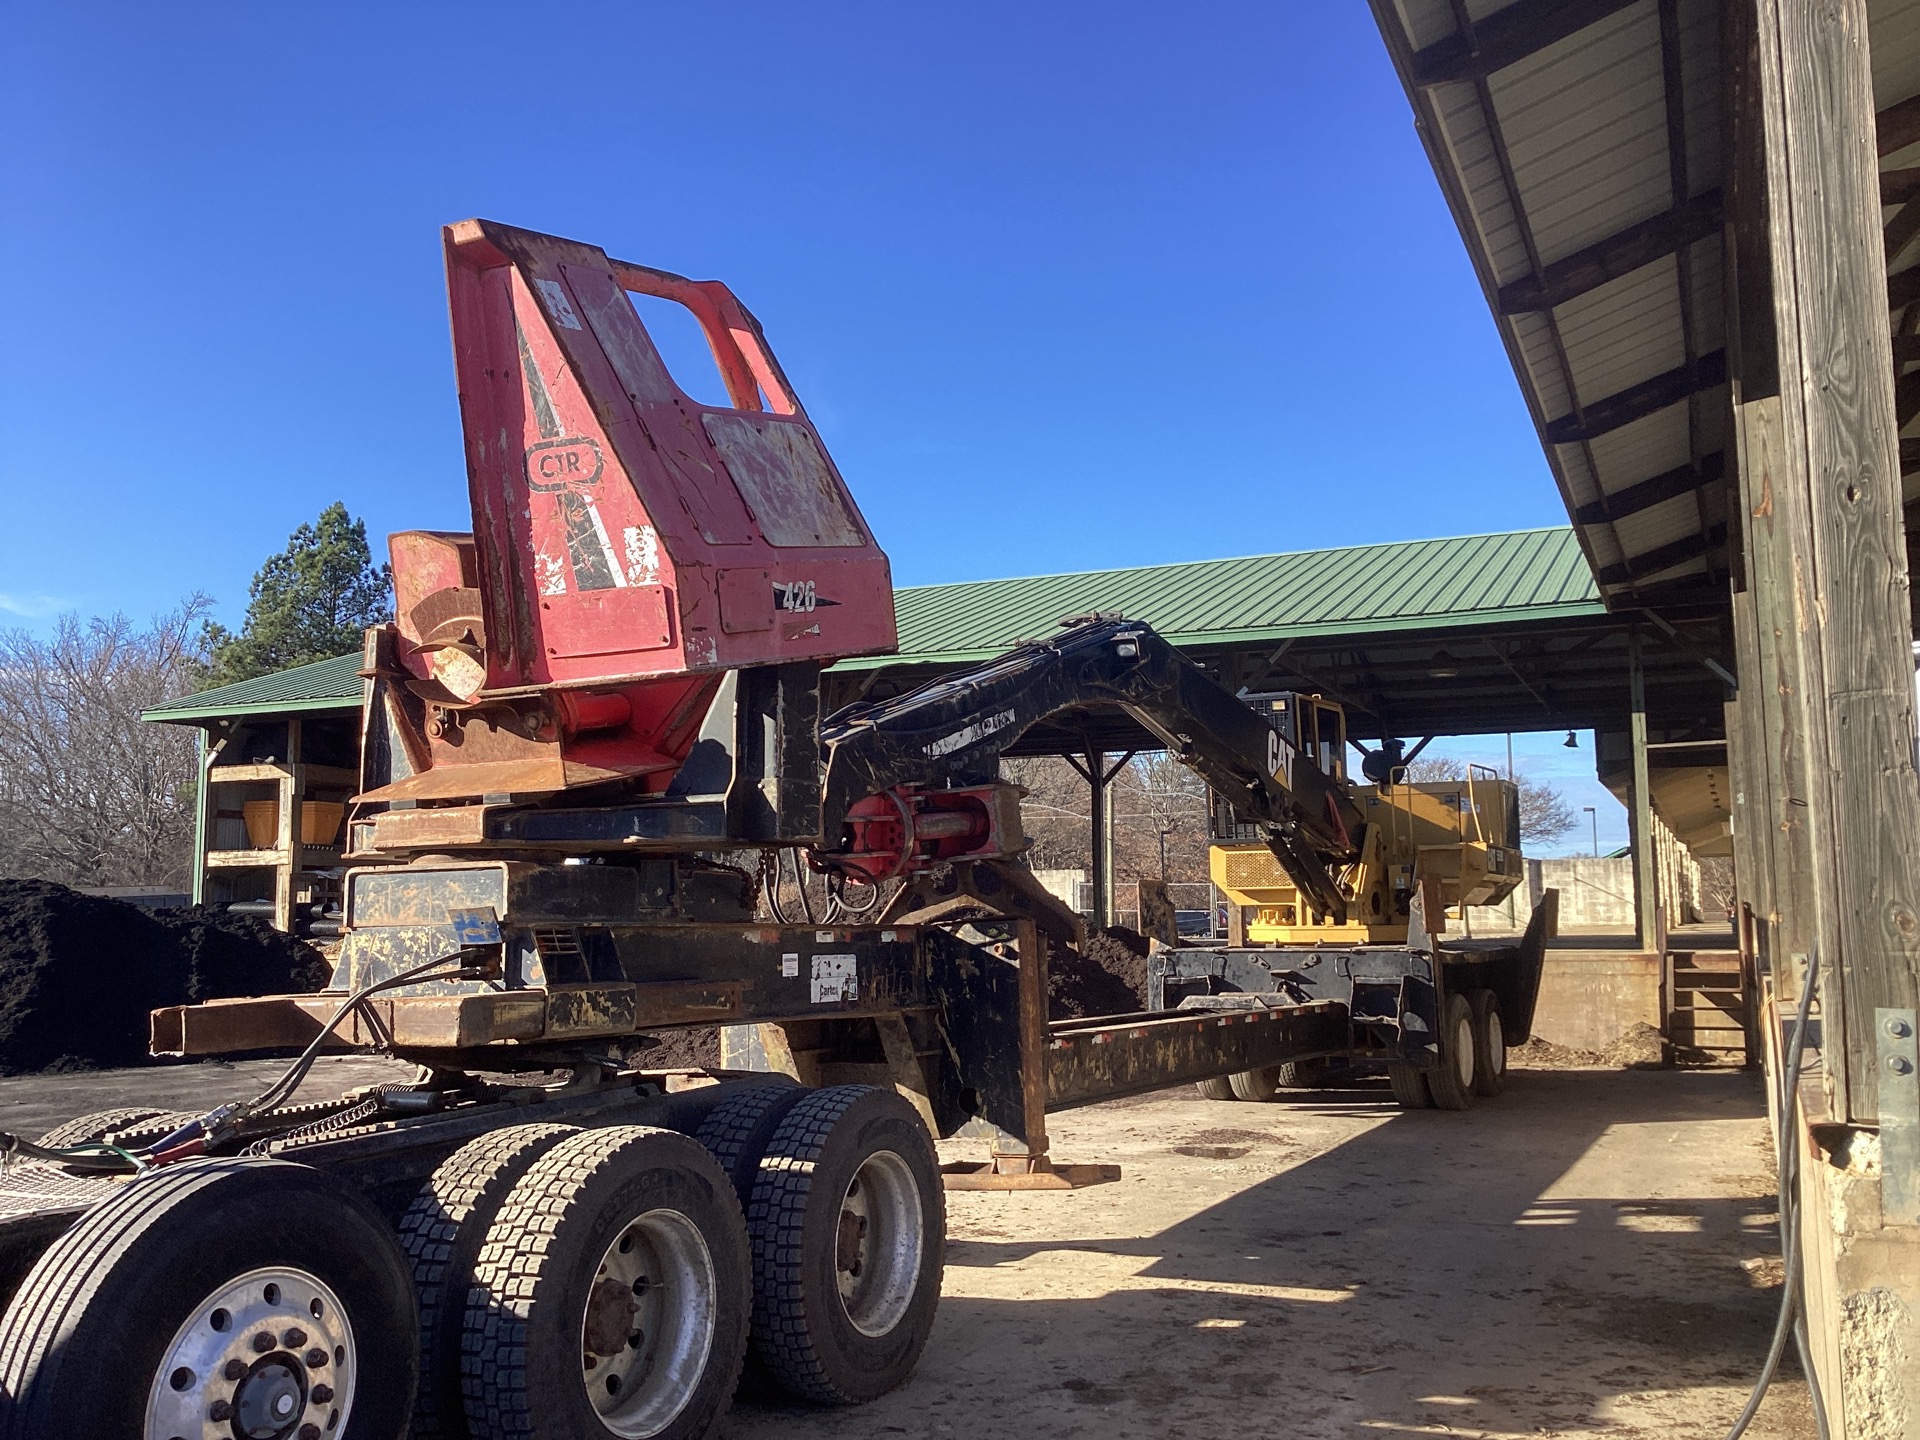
(1786, 1163)
(952, 732)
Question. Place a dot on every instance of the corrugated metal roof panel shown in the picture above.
(1403, 584)
(1406, 584)
(323, 685)
(1653, 446)
(1894, 29)
(1624, 331)
(1585, 126)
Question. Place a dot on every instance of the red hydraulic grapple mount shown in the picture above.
(634, 552)
(624, 656)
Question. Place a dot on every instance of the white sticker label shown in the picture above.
(887, 937)
(789, 967)
(558, 305)
(970, 734)
(835, 979)
(825, 937)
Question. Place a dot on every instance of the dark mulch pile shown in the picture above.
(1109, 979)
(78, 973)
(695, 1048)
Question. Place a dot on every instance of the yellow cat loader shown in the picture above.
(1461, 835)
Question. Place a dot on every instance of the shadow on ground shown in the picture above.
(1565, 1260)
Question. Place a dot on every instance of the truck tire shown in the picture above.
(848, 1221)
(441, 1234)
(610, 1296)
(1451, 1081)
(1300, 1074)
(1255, 1085)
(1218, 1087)
(87, 1129)
(247, 1287)
(736, 1132)
(1489, 1045)
(1409, 1086)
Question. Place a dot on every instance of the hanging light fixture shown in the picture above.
(1442, 666)
(1572, 741)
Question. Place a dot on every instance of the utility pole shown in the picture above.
(1595, 818)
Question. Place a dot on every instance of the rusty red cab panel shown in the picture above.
(626, 531)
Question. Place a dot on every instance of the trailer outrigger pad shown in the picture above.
(1035, 1172)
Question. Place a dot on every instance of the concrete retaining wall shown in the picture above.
(1589, 997)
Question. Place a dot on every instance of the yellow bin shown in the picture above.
(319, 822)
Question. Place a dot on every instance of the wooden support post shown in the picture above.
(1646, 882)
(292, 792)
(1830, 569)
(203, 820)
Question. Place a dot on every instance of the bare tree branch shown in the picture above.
(89, 793)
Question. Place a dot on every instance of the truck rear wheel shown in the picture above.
(1300, 1074)
(1489, 1045)
(610, 1296)
(1218, 1087)
(248, 1293)
(736, 1131)
(441, 1234)
(86, 1129)
(1254, 1085)
(849, 1241)
(1409, 1086)
(1451, 1081)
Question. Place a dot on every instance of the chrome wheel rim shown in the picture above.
(267, 1356)
(878, 1242)
(1463, 1052)
(646, 1329)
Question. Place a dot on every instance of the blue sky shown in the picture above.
(1063, 286)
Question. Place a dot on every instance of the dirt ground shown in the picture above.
(1593, 1254)
(1564, 1261)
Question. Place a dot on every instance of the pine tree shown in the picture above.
(309, 602)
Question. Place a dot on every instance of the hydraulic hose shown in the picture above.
(1786, 1167)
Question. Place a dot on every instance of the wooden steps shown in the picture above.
(1709, 1007)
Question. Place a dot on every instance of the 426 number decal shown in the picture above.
(795, 595)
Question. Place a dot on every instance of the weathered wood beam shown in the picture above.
(1681, 480)
(1662, 557)
(1825, 549)
(1898, 126)
(1638, 401)
(1506, 36)
(1637, 245)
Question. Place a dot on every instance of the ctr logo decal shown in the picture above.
(569, 470)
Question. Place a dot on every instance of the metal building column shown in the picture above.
(1099, 777)
(1646, 887)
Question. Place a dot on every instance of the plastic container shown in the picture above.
(319, 822)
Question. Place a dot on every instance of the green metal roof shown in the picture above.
(1403, 585)
(324, 685)
(1359, 589)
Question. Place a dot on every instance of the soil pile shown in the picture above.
(1109, 978)
(1638, 1047)
(695, 1048)
(78, 973)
